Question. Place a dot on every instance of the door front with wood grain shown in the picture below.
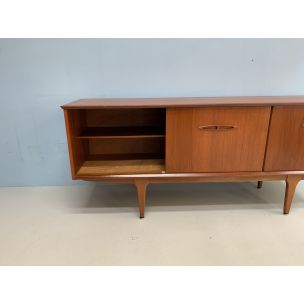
(216, 139)
(285, 148)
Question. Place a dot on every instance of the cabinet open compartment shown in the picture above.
(117, 141)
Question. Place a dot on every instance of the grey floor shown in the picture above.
(185, 224)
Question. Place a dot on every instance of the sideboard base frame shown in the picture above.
(292, 178)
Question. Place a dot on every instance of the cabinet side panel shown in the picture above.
(74, 122)
(285, 148)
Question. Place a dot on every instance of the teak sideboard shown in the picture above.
(210, 139)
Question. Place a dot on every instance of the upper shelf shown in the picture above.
(123, 132)
(183, 102)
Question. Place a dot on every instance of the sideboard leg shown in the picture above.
(260, 184)
(141, 186)
(291, 184)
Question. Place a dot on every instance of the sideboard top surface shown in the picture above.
(184, 102)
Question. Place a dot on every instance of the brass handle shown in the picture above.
(217, 127)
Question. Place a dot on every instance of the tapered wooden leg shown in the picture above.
(291, 184)
(141, 186)
(260, 184)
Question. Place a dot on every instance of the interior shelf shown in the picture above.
(125, 132)
(114, 167)
(125, 156)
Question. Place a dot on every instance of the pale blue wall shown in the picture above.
(37, 76)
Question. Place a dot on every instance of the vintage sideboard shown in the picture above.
(208, 139)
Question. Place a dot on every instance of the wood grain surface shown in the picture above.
(183, 102)
(285, 148)
(110, 167)
(191, 148)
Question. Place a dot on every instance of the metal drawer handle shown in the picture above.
(217, 127)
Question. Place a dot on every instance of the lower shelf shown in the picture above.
(114, 167)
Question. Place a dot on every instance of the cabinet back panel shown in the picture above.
(125, 117)
(126, 146)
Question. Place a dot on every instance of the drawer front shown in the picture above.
(285, 148)
(216, 139)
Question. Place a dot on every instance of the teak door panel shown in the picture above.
(285, 148)
(216, 139)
